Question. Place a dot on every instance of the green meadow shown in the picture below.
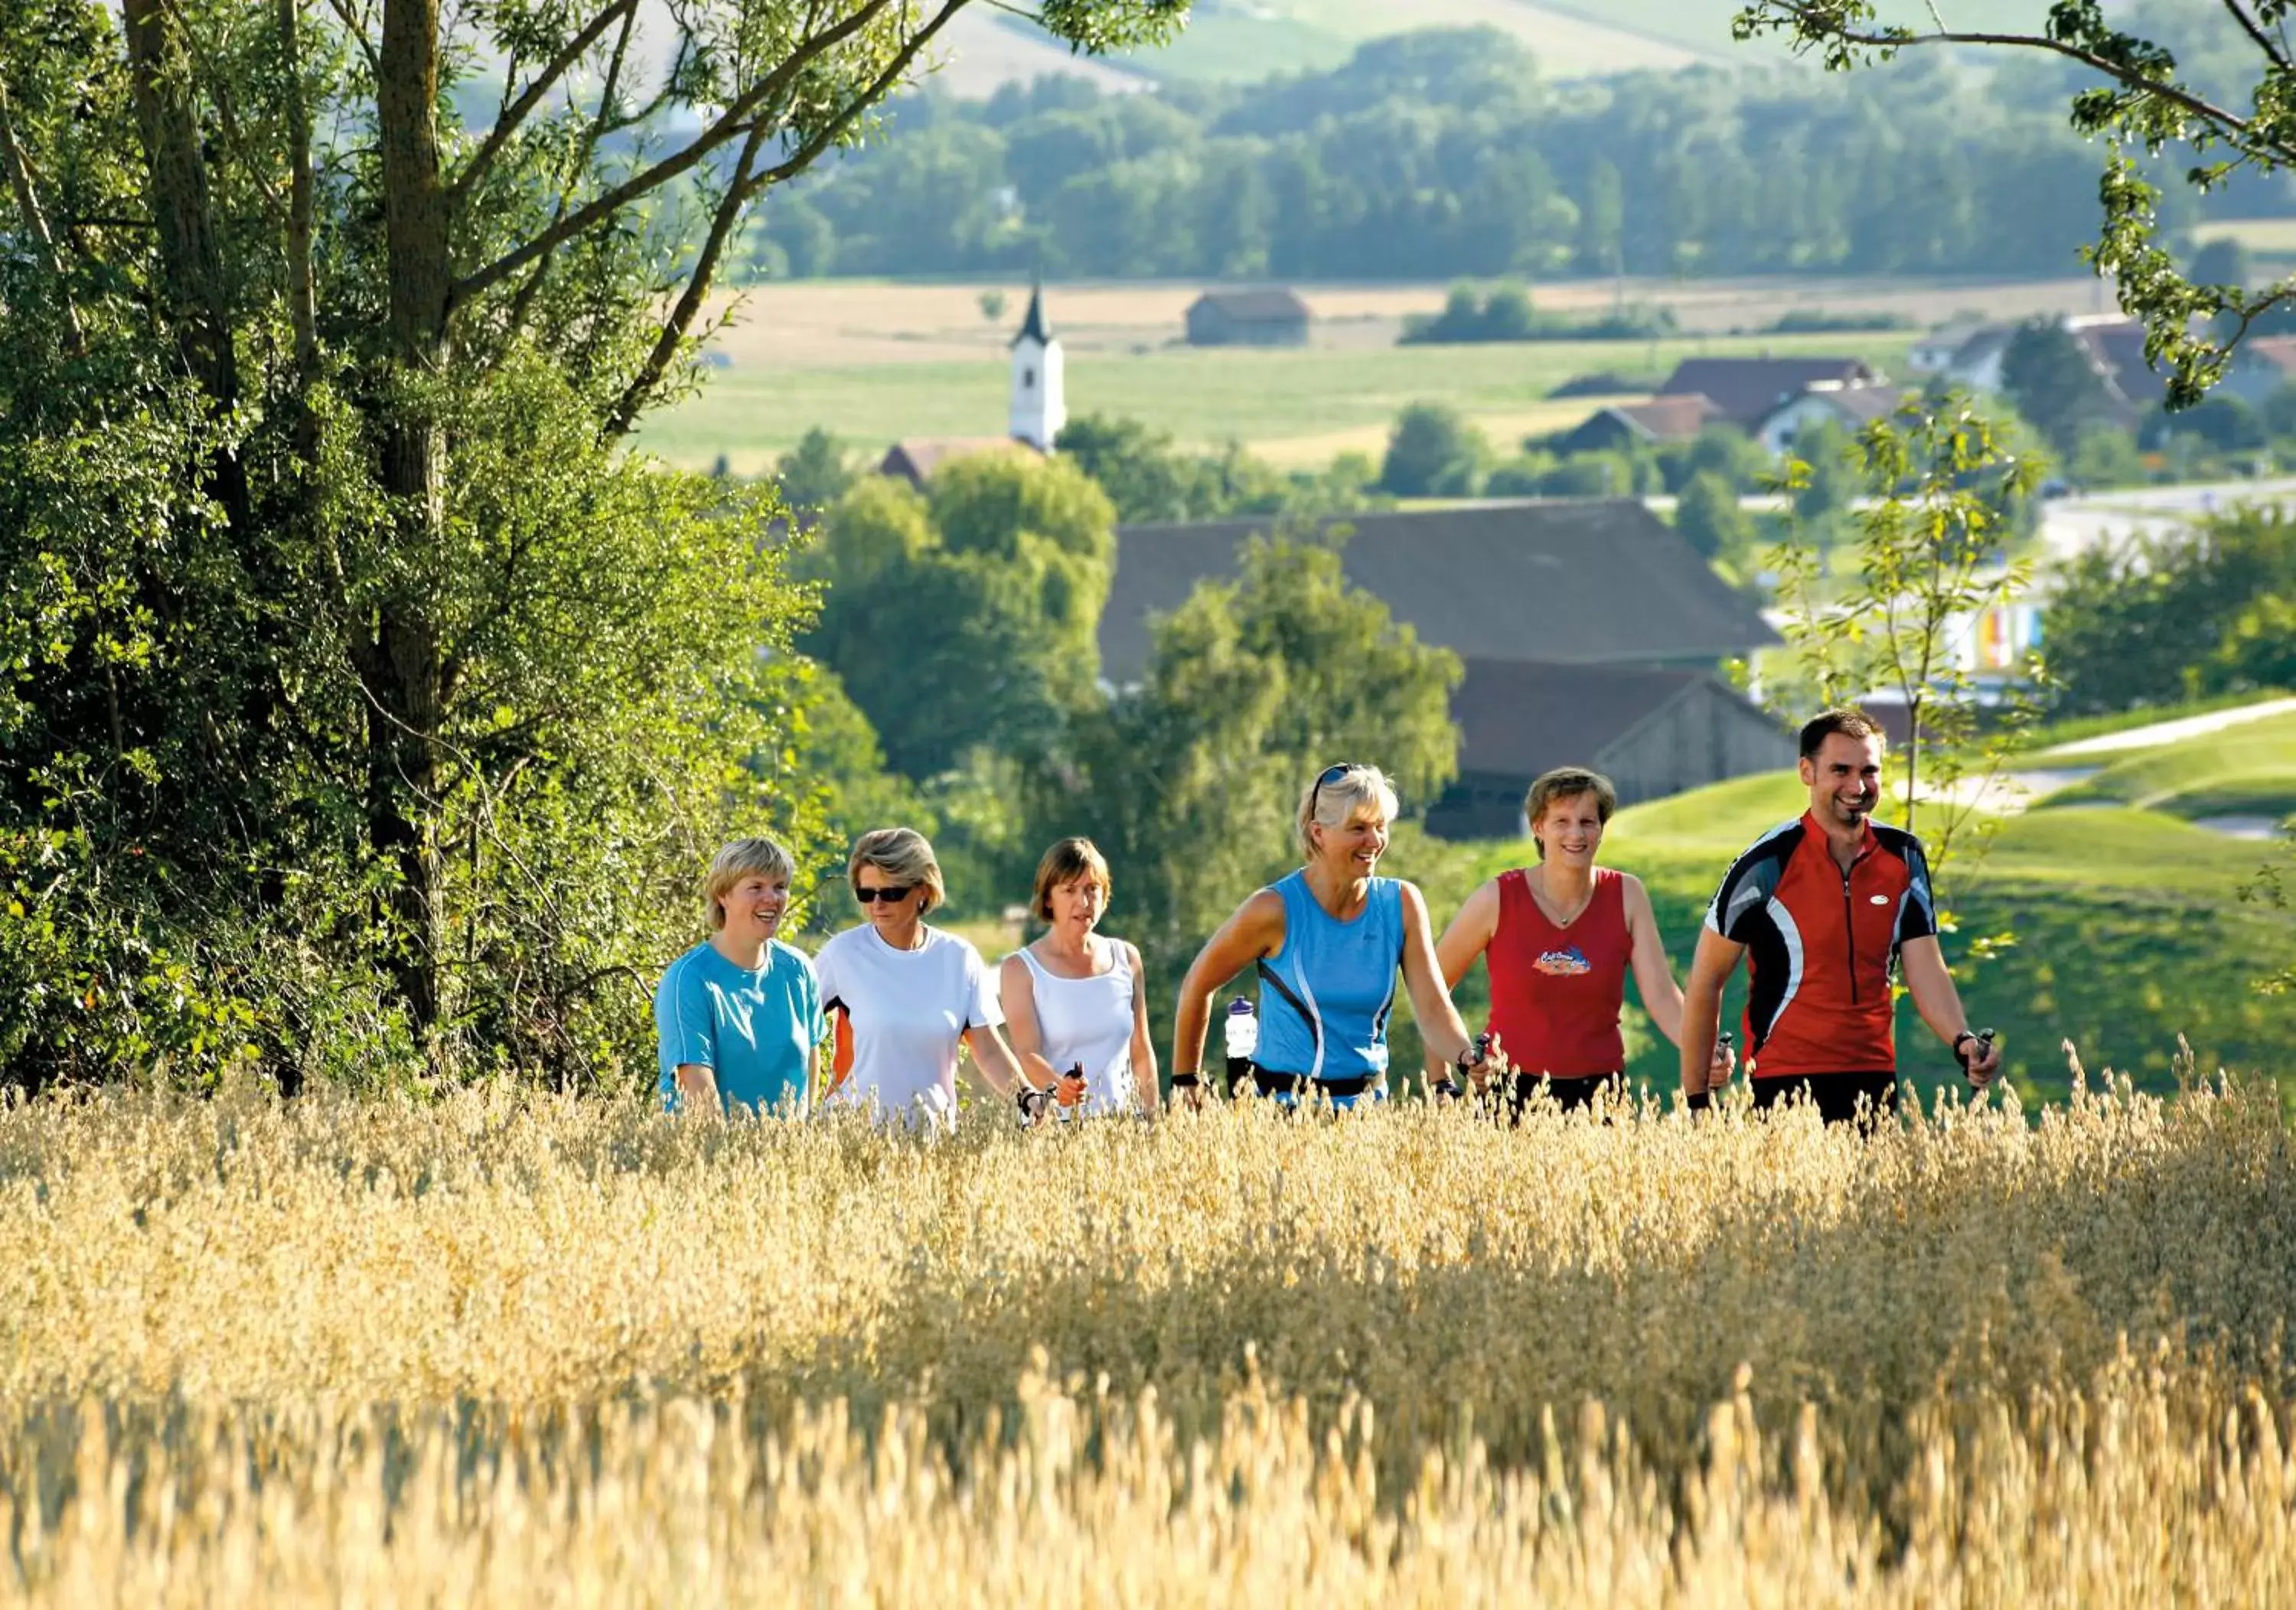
(1265, 399)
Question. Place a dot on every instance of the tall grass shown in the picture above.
(507, 1350)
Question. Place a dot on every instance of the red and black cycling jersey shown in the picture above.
(1822, 945)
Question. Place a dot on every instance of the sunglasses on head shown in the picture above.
(890, 897)
(1332, 774)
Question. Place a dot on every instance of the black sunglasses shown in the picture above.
(869, 896)
(1332, 774)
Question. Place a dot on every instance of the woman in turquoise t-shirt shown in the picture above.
(738, 1017)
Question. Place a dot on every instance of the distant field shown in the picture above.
(1704, 25)
(873, 362)
(1234, 42)
(2268, 237)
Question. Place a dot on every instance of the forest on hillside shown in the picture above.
(1445, 152)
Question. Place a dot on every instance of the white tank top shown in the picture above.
(1089, 1021)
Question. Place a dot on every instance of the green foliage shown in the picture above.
(2106, 457)
(366, 710)
(1189, 782)
(1931, 554)
(1433, 452)
(1442, 154)
(2140, 100)
(2049, 378)
(1504, 313)
(966, 618)
(2153, 619)
(816, 472)
(1711, 518)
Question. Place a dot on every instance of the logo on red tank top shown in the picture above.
(1571, 963)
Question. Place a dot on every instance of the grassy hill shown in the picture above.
(1243, 41)
(2129, 924)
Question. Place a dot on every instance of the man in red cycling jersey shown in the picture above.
(1827, 908)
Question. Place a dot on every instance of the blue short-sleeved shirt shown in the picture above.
(753, 1030)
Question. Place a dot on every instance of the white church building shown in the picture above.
(1040, 407)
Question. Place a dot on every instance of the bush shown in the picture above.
(1433, 452)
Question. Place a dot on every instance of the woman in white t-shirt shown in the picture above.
(904, 997)
(1076, 999)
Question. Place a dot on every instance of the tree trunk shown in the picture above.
(191, 262)
(401, 662)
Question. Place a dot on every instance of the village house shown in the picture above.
(1852, 408)
(1271, 317)
(1655, 423)
(1558, 608)
(1747, 388)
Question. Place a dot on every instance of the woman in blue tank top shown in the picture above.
(1327, 942)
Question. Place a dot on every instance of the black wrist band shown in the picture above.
(1957, 1039)
(1448, 1089)
(1187, 1081)
(1699, 1101)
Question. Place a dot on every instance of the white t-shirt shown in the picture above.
(909, 1010)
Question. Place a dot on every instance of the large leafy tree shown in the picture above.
(963, 617)
(326, 583)
(1188, 783)
(2132, 92)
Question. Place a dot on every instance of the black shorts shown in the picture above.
(1571, 1095)
(1837, 1097)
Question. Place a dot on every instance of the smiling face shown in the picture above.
(1845, 781)
(1077, 904)
(754, 907)
(1570, 830)
(1353, 848)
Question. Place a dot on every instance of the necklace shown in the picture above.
(1554, 914)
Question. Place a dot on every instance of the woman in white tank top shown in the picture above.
(1074, 999)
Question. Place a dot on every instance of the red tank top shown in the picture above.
(1555, 992)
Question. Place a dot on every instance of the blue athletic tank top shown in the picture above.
(1325, 996)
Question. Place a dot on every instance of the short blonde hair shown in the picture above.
(1064, 863)
(905, 856)
(1566, 782)
(742, 858)
(1330, 799)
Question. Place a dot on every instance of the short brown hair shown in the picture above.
(1848, 720)
(744, 858)
(903, 855)
(1064, 863)
(1566, 782)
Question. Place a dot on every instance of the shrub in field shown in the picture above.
(508, 1349)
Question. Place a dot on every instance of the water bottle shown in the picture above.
(1242, 1032)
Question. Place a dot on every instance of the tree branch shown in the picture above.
(2255, 30)
(743, 189)
(2236, 128)
(36, 222)
(519, 110)
(733, 121)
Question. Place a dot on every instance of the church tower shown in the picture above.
(1039, 392)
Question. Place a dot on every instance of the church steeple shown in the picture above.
(1039, 388)
(1032, 327)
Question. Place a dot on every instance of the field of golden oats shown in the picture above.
(502, 1349)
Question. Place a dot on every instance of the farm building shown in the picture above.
(1594, 590)
(1652, 733)
(1851, 407)
(1649, 424)
(915, 460)
(1273, 317)
(1747, 388)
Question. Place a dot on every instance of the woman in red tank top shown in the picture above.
(1558, 939)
